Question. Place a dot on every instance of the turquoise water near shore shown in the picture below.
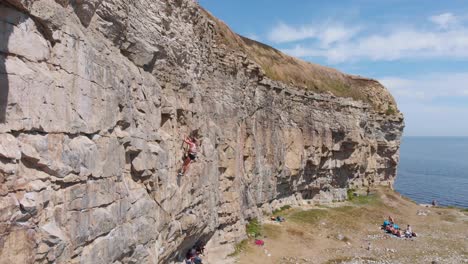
(434, 168)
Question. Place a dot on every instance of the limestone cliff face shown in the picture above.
(96, 97)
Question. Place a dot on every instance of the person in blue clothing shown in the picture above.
(386, 223)
(192, 257)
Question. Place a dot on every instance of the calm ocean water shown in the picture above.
(434, 168)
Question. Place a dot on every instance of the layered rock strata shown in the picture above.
(96, 97)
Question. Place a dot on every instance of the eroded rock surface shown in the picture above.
(96, 97)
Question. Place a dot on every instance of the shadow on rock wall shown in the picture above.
(7, 25)
(3, 86)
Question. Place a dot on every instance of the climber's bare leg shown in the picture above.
(186, 165)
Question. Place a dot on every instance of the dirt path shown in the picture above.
(351, 233)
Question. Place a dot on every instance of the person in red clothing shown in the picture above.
(191, 154)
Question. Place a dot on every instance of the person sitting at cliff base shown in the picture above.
(191, 154)
(192, 257)
(409, 232)
(389, 228)
(200, 248)
(397, 232)
(279, 219)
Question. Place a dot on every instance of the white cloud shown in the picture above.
(338, 33)
(403, 88)
(285, 33)
(428, 87)
(428, 120)
(339, 43)
(325, 33)
(401, 43)
(253, 36)
(433, 104)
(444, 20)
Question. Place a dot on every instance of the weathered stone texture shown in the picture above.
(96, 99)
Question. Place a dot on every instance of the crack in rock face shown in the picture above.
(96, 99)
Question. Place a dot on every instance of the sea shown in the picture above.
(434, 168)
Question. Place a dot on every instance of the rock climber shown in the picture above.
(191, 153)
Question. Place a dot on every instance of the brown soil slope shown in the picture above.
(350, 233)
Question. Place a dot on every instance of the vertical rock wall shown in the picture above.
(96, 97)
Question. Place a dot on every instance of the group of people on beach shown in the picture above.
(391, 227)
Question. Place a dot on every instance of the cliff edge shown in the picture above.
(96, 97)
(305, 75)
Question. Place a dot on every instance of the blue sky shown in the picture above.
(418, 49)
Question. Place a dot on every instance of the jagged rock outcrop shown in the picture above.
(96, 97)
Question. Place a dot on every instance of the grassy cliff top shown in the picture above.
(305, 75)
